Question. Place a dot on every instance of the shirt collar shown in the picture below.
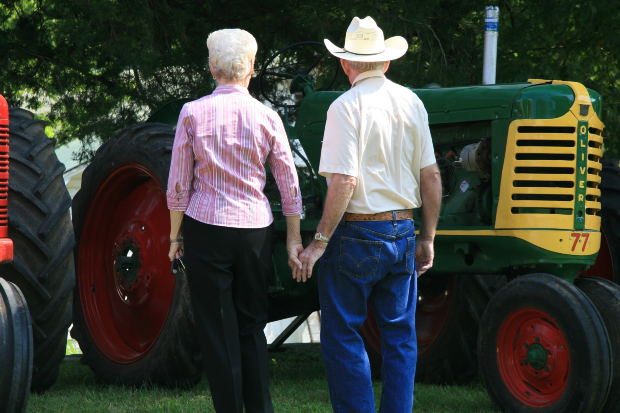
(229, 88)
(367, 74)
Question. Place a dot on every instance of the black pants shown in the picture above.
(228, 271)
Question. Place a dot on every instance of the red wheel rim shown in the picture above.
(432, 311)
(125, 284)
(533, 357)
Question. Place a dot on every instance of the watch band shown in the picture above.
(321, 238)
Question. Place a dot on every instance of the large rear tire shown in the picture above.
(543, 348)
(610, 214)
(42, 234)
(15, 349)
(606, 297)
(132, 316)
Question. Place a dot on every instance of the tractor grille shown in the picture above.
(553, 175)
(4, 170)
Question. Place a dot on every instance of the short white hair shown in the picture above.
(365, 66)
(231, 53)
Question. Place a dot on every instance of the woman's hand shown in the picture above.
(176, 249)
(294, 248)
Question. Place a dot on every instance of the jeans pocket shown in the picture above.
(359, 258)
(410, 255)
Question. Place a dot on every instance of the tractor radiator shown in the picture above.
(551, 173)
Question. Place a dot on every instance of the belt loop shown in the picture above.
(394, 217)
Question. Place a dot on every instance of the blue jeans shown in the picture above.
(369, 262)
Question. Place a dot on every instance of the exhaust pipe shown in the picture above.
(491, 24)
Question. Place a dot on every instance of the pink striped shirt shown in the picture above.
(217, 172)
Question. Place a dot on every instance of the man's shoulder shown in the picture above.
(347, 99)
(404, 90)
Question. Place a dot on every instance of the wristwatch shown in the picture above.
(321, 238)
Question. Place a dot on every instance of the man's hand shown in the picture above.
(424, 255)
(308, 258)
(176, 250)
(294, 248)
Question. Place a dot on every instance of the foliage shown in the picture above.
(104, 64)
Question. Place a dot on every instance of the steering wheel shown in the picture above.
(292, 69)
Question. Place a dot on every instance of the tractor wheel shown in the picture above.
(15, 349)
(543, 347)
(606, 297)
(448, 312)
(131, 314)
(40, 227)
(607, 263)
(610, 214)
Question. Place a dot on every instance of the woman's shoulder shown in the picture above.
(263, 109)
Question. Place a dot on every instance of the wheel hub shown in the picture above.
(127, 264)
(533, 357)
(537, 355)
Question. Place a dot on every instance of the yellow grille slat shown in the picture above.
(545, 150)
(595, 165)
(595, 138)
(594, 178)
(544, 177)
(551, 136)
(543, 191)
(596, 152)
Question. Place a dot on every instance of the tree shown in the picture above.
(104, 64)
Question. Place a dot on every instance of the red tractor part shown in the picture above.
(41, 232)
(131, 314)
(6, 245)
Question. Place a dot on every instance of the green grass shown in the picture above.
(298, 385)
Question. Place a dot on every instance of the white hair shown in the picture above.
(231, 53)
(365, 66)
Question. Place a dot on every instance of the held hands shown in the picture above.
(424, 255)
(308, 258)
(294, 248)
(302, 260)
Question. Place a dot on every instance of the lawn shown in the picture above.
(298, 385)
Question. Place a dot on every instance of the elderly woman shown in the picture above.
(216, 201)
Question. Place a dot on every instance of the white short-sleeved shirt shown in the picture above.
(378, 132)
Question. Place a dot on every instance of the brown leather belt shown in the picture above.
(380, 216)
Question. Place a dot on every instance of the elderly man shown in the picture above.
(215, 193)
(379, 161)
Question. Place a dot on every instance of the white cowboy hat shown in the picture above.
(364, 43)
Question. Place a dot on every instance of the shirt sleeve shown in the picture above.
(282, 166)
(428, 151)
(339, 153)
(181, 172)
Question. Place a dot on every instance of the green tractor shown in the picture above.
(521, 220)
(36, 259)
